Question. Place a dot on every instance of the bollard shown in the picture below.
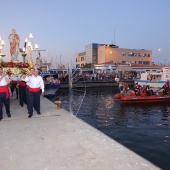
(59, 104)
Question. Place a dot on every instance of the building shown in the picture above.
(89, 57)
(80, 59)
(112, 53)
(102, 53)
(139, 68)
(91, 54)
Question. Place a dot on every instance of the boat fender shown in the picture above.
(160, 93)
(125, 98)
(130, 93)
(118, 96)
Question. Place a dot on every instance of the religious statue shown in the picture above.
(14, 41)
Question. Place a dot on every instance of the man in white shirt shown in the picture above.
(36, 85)
(4, 93)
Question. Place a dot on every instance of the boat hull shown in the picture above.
(147, 99)
(50, 90)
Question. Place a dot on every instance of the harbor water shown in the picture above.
(144, 129)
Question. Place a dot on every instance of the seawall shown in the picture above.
(57, 140)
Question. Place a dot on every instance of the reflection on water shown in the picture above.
(145, 128)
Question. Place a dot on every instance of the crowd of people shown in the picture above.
(89, 76)
(29, 86)
(143, 90)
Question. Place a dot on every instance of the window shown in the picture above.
(139, 62)
(131, 54)
(123, 61)
(123, 54)
(139, 54)
(82, 58)
(146, 62)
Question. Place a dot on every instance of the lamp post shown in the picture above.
(158, 54)
(2, 43)
(28, 47)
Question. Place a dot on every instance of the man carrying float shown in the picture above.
(4, 93)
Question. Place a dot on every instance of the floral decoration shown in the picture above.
(12, 64)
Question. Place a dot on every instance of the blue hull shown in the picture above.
(50, 90)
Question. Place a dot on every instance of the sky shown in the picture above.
(64, 27)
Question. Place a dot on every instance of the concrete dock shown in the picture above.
(57, 140)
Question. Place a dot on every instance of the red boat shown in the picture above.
(131, 98)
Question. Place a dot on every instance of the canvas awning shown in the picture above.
(124, 68)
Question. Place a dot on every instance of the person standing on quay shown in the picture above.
(4, 93)
(14, 41)
(36, 84)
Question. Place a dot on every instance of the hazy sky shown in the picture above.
(64, 27)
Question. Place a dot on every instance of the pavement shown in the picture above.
(58, 140)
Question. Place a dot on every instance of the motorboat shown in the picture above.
(154, 79)
(133, 99)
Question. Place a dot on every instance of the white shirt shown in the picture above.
(35, 82)
(14, 77)
(3, 81)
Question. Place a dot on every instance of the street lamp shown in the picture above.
(158, 54)
(2, 43)
(28, 47)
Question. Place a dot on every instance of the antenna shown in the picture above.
(114, 37)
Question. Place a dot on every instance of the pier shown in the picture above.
(58, 140)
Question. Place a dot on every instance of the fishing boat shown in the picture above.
(50, 90)
(51, 82)
(154, 79)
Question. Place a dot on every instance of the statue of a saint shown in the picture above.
(14, 41)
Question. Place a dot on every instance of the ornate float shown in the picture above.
(15, 67)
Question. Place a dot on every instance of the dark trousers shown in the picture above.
(28, 99)
(33, 101)
(27, 95)
(6, 103)
(22, 95)
(13, 86)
